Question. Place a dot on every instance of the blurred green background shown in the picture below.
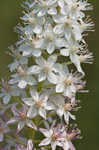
(88, 116)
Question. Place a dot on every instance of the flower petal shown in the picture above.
(29, 145)
(31, 124)
(59, 88)
(20, 126)
(32, 112)
(42, 113)
(34, 70)
(46, 141)
(64, 52)
(50, 48)
(22, 84)
(41, 77)
(59, 29)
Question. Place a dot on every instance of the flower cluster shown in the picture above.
(40, 96)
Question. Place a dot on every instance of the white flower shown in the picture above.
(43, 68)
(43, 7)
(63, 108)
(31, 46)
(72, 49)
(56, 136)
(22, 78)
(18, 59)
(34, 23)
(51, 41)
(66, 83)
(68, 27)
(22, 118)
(38, 104)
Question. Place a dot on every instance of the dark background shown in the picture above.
(88, 116)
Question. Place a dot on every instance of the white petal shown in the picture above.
(58, 29)
(37, 29)
(61, 3)
(68, 92)
(64, 52)
(20, 125)
(36, 52)
(30, 80)
(50, 106)
(66, 146)
(67, 34)
(52, 78)
(59, 88)
(26, 53)
(44, 97)
(6, 99)
(34, 69)
(34, 95)
(42, 113)
(32, 112)
(66, 117)
(52, 59)
(41, 12)
(12, 120)
(28, 101)
(60, 112)
(50, 48)
(46, 141)
(45, 132)
(39, 43)
(75, 59)
(22, 84)
(41, 77)
(60, 19)
(51, 2)
(53, 145)
(31, 124)
(29, 145)
(60, 42)
(40, 61)
(71, 146)
(52, 11)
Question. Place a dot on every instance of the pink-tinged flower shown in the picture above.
(54, 136)
(59, 136)
(21, 117)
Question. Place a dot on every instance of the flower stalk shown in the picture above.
(41, 93)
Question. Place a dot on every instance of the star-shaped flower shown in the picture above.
(38, 104)
(22, 118)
